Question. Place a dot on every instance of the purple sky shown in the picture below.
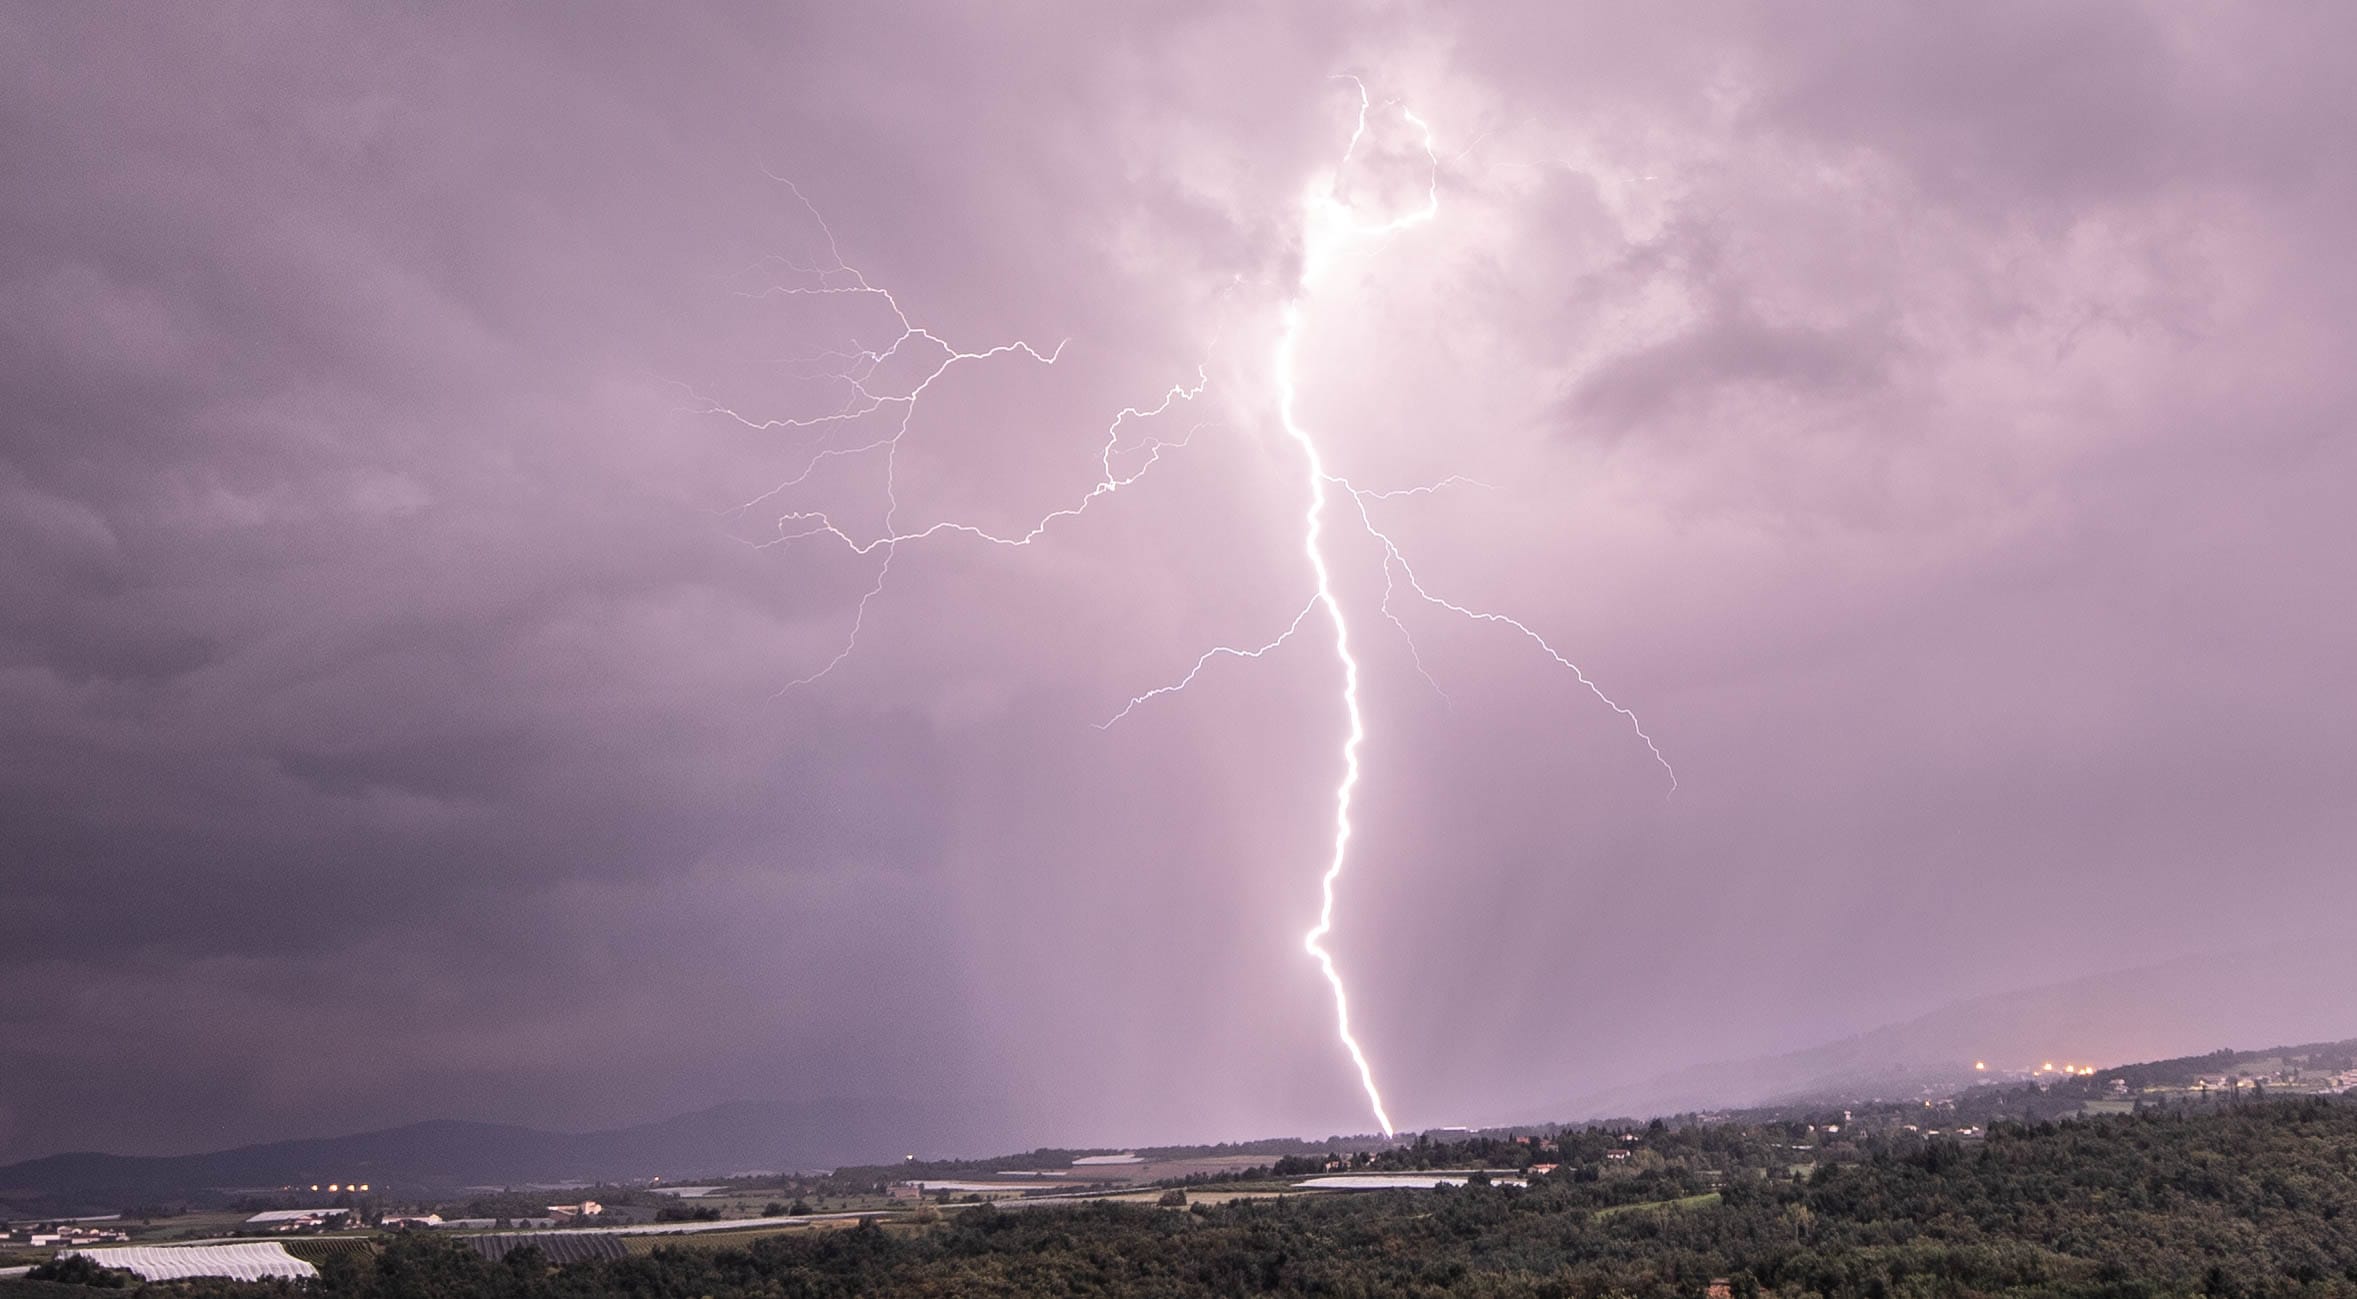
(1935, 426)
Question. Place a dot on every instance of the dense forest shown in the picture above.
(2257, 1199)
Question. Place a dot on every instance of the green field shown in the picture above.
(187, 1226)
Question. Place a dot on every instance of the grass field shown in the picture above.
(746, 1204)
(187, 1226)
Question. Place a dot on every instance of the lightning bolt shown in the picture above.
(1331, 230)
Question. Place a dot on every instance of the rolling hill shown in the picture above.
(2179, 1008)
(440, 1154)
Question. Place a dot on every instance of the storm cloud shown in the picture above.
(1935, 426)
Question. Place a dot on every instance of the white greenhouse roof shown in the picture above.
(251, 1261)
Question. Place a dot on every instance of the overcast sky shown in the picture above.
(1933, 425)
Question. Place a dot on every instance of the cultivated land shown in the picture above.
(2238, 1198)
(2228, 1174)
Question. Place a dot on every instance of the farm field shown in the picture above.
(1661, 1230)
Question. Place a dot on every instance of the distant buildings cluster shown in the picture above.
(66, 1232)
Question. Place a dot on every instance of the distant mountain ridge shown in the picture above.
(2177, 1008)
(447, 1153)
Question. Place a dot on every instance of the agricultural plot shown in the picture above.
(316, 1250)
(641, 1245)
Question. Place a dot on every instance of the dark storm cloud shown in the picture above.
(1726, 349)
(1930, 423)
(2063, 107)
(336, 629)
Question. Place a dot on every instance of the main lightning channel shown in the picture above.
(1313, 533)
(1329, 226)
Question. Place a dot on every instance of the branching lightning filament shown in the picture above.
(1331, 231)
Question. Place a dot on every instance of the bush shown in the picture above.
(81, 1269)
